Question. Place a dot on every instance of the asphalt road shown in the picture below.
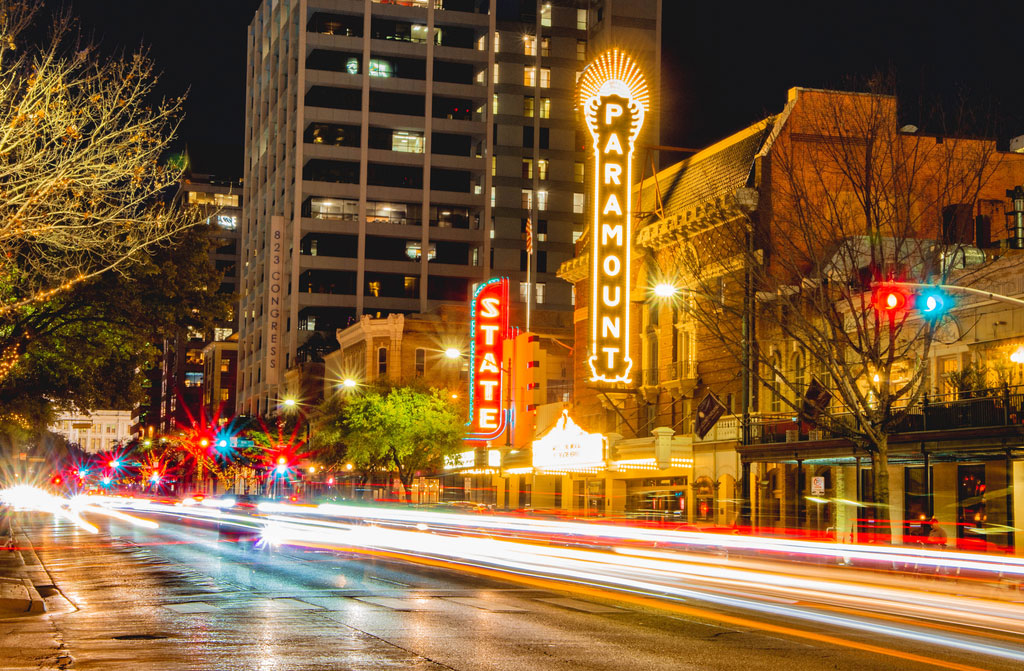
(179, 597)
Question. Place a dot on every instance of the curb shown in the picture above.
(28, 599)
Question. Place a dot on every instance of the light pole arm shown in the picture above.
(966, 290)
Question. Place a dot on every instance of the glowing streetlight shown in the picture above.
(348, 467)
(312, 469)
(204, 442)
(349, 383)
(155, 477)
(453, 353)
(289, 402)
(665, 290)
(222, 443)
(114, 463)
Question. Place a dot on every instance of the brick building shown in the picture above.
(741, 183)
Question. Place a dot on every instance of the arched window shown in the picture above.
(775, 389)
(799, 375)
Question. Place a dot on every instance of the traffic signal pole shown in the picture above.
(957, 288)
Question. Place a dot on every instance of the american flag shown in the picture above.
(529, 236)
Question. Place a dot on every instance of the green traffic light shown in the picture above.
(934, 303)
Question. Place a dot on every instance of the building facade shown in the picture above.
(183, 390)
(955, 454)
(397, 152)
(95, 432)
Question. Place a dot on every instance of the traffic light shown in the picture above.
(933, 303)
(891, 300)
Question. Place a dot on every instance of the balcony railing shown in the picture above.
(985, 408)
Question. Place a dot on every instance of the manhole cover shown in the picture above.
(139, 637)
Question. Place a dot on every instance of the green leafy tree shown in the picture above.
(406, 429)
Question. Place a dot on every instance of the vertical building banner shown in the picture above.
(614, 99)
(275, 299)
(488, 378)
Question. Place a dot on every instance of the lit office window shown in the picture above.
(529, 45)
(528, 106)
(529, 76)
(527, 199)
(577, 203)
(545, 46)
(545, 77)
(581, 19)
(545, 16)
(538, 292)
(496, 69)
(581, 50)
(545, 107)
(494, 166)
(407, 142)
(382, 68)
(542, 200)
(494, 104)
(542, 168)
(497, 41)
(577, 172)
(524, 292)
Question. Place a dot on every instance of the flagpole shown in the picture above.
(529, 287)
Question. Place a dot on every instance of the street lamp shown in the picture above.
(453, 353)
(289, 402)
(349, 383)
(665, 290)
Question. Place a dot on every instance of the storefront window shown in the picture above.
(972, 511)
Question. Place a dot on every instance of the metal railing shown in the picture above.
(976, 409)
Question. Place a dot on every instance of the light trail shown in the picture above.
(667, 569)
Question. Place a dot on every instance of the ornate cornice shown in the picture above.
(576, 269)
(701, 217)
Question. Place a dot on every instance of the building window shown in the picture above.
(524, 292)
(421, 362)
(528, 106)
(225, 395)
(545, 137)
(530, 76)
(577, 203)
(381, 68)
(497, 41)
(545, 15)
(542, 168)
(527, 168)
(193, 379)
(414, 250)
(542, 200)
(542, 230)
(529, 45)
(577, 172)
(581, 46)
(538, 292)
(382, 361)
(494, 104)
(545, 107)
(542, 261)
(225, 365)
(545, 46)
(496, 71)
(373, 288)
(407, 142)
(775, 400)
(527, 199)
(545, 80)
(476, 256)
(581, 20)
(194, 357)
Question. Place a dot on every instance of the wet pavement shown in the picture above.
(180, 597)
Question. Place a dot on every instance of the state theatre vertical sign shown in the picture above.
(488, 416)
(614, 99)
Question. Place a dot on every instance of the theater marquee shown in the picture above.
(488, 415)
(614, 99)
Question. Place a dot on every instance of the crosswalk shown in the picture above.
(395, 603)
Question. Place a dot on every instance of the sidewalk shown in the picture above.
(20, 573)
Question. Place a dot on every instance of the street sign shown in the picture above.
(235, 441)
(709, 411)
(817, 486)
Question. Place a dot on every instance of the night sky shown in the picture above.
(725, 64)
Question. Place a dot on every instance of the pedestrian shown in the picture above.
(936, 534)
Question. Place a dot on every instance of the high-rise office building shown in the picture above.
(395, 153)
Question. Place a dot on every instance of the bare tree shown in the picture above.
(848, 202)
(81, 177)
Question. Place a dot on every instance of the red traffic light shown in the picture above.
(890, 299)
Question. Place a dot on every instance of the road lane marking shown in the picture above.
(404, 605)
(584, 606)
(487, 604)
(192, 607)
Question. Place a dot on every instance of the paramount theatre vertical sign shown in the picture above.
(614, 98)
